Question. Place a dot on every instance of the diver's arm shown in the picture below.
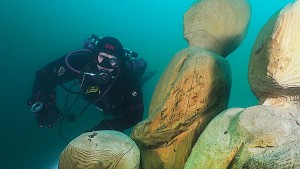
(47, 78)
(58, 72)
(43, 100)
(53, 74)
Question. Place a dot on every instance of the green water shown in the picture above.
(34, 32)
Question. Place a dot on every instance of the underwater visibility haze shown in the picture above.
(34, 33)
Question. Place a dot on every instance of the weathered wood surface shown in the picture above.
(194, 89)
(195, 86)
(217, 25)
(106, 149)
(276, 51)
(266, 135)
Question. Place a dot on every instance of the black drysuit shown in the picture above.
(121, 97)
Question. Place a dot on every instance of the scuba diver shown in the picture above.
(108, 75)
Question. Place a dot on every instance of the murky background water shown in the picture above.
(34, 32)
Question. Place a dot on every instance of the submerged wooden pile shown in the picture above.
(192, 95)
(195, 87)
(106, 149)
(266, 135)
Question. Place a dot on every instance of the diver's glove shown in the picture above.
(44, 109)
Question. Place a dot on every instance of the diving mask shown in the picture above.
(107, 61)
